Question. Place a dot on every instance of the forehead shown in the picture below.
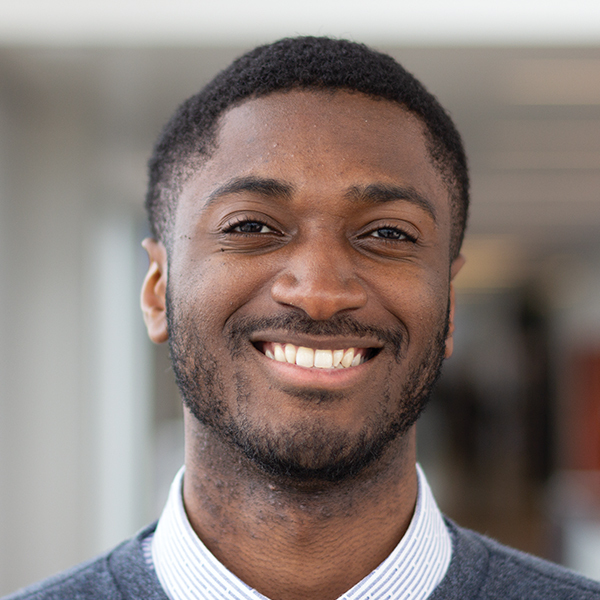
(320, 142)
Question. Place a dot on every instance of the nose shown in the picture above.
(320, 280)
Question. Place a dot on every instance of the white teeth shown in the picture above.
(323, 359)
(320, 358)
(290, 353)
(348, 358)
(305, 357)
(337, 357)
(279, 353)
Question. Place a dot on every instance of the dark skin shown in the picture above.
(323, 204)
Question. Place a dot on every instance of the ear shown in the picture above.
(154, 292)
(456, 266)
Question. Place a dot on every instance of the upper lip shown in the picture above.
(315, 342)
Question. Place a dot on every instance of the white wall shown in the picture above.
(74, 406)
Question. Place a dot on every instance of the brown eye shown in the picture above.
(390, 233)
(251, 227)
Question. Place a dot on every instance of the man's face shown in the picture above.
(308, 284)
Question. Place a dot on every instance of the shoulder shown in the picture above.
(483, 568)
(117, 575)
(91, 579)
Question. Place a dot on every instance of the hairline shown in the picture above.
(191, 160)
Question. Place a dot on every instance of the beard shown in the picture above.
(312, 450)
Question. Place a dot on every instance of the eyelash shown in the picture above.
(243, 220)
(405, 236)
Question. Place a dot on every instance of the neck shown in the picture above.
(290, 540)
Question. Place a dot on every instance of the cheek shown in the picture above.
(221, 284)
(419, 298)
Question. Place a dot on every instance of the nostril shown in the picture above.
(319, 298)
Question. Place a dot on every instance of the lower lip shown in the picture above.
(317, 378)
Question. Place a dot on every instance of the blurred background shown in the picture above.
(90, 420)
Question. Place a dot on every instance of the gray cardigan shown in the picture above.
(480, 569)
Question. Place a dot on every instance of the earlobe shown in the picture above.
(457, 264)
(154, 292)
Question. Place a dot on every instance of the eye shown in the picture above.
(389, 233)
(251, 227)
(248, 226)
(248, 232)
(392, 234)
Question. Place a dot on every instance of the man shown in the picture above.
(307, 208)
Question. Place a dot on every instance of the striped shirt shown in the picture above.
(187, 570)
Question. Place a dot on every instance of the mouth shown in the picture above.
(316, 358)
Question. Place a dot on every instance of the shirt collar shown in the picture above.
(187, 570)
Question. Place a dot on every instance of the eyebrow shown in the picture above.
(377, 193)
(271, 188)
(374, 193)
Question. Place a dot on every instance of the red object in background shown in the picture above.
(583, 412)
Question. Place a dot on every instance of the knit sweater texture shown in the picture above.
(481, 569)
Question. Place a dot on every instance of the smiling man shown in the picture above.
(307, 208)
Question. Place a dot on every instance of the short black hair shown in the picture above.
(311, 63)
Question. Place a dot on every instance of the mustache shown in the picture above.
(237, 332)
